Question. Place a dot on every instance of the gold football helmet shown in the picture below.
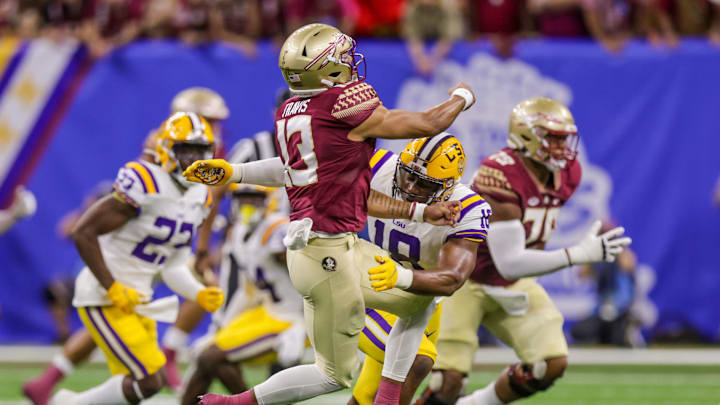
(201, 100)
(532, 121)
(318, 56)
(429, 168)
(182, 139)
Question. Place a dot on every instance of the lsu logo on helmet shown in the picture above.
(439, 162)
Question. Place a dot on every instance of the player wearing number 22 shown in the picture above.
(144, 228)
(526, 184)
(326, 137)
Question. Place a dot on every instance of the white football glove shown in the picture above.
(290, 345)
(595, 248)
(25, 203)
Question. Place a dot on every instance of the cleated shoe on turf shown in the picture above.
(38, 389)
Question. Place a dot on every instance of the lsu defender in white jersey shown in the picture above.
(144, 228)
(263, 322)
(158, 238)
(416, 243)
(426, 171)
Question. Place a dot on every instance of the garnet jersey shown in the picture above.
(418, 244)
(505, 178)
(157, 239)
(327, 176)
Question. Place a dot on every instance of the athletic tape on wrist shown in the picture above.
(417, 212)
(466, 95)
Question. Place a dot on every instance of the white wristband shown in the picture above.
(237, 173)
(405, 277)
(417, 212)
(466, 95)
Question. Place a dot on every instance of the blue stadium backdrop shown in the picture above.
(649, 130)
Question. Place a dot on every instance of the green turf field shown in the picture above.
(582, 385)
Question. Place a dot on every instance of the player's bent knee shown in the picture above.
(447, 381)
(335, 381)
(527, 379)
(150, 385)
(556, 367)
(210, 358)
(420, 369)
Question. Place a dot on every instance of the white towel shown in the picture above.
(162, 309)
(298, 234)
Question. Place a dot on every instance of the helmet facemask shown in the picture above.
(184, 139)
(352, 60)
(182, 154)
(428, 189)
(544, 155)
(533, 125)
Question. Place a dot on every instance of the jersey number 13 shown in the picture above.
(296, 132)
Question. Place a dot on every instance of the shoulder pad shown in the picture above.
(378, 159)
(355, 103)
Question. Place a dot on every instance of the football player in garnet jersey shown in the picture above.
(326, 137)
(526, 184)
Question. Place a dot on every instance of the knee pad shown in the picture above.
(526, 379)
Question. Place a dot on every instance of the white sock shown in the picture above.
(108, 393)
(175, 339)
(485, 396)
(295, 384)
(403, 343)
(63, 364)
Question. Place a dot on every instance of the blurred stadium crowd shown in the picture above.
(105, 24)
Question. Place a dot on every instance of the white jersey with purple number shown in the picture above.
(417, 245)
(158, 238)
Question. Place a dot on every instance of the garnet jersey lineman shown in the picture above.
(503, 177)
(526, 184)
(328, 173)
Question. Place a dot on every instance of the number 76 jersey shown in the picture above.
(415, 244)
(504, 177)
(157, 238)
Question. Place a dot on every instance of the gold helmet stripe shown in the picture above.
(434, 148)
(329, 50)
(195, 123)
(425, 142)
